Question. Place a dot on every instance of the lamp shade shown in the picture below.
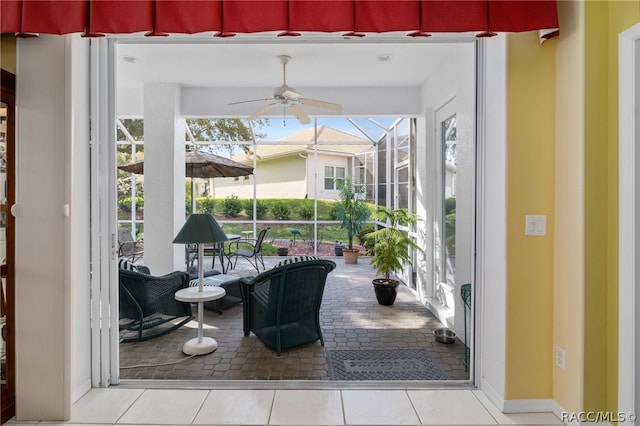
(200, 228)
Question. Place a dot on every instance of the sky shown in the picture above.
(280, 128)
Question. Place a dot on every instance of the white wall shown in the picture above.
(357, 101)
(78, 180)
(208, 102)
(52, 267)
(491, 275)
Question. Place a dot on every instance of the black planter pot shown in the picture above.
(283, 251)
(386, 290)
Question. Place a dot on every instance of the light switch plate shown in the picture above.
(536, 225)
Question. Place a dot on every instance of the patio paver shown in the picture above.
(351, 320)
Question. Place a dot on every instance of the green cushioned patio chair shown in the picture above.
(148, 307)
(281, 306)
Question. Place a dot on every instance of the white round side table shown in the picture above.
(199, 345)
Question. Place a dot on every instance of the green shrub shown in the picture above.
(261, 208)
(306, 211)
(280, 210)
(333, 212)
(231, 206)
(205, 205)
(449, 205)
(365, 229)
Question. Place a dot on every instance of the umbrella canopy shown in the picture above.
(201, 164)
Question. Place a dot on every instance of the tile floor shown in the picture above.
(351, 320)
(126, 406)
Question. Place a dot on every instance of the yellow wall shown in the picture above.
(603, 22)
(568, 300)
(596, 122)
(586, 282)
(8, 53)
(530, 180)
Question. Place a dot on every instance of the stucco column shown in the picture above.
(164, 177)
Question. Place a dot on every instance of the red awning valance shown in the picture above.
(228, 17)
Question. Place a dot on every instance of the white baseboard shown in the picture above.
(492, 394)
(80, 390)
(528, 406)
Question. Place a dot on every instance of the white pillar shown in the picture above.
(164, 177)
(43, 326)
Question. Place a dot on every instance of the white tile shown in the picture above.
(165, 407)
(378, 408)
(438, 407)
(519, 418)
(236, 407)
(307, 407)
(529, 419)
(103, 405)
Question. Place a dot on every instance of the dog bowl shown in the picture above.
(444, 335)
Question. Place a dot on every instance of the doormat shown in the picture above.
(387, 364)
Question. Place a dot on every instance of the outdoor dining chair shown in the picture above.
(248, 249)
(128, 247)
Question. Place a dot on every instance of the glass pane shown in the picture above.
(449, 202)
(403, 188)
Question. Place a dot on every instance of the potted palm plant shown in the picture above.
(390, 250)
(352, 212)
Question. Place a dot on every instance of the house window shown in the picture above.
(333, 177)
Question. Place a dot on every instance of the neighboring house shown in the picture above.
(291, 163)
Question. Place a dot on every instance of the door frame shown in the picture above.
(629, 222)
(8, 83)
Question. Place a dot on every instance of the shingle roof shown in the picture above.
(329, 140)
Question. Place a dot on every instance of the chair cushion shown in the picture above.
(296, 259)
(127, 265)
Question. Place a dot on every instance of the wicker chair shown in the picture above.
(282, 305)
(148, 307)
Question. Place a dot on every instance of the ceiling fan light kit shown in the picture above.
(288, 98)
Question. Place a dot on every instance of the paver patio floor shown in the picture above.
(351, 320)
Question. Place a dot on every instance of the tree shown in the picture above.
(225, 129)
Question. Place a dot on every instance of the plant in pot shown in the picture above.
(352, 212)
(390, 250)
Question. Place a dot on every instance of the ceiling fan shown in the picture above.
(287, 97)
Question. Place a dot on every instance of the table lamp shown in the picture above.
(199, 229)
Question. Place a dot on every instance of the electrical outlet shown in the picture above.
(559, 357)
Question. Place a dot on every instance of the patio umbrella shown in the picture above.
(200, 164)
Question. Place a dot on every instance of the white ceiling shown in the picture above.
(247, 62)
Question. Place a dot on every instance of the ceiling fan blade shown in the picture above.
(298, 113)
(321, 104)
(261, 111)
(252, 100)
